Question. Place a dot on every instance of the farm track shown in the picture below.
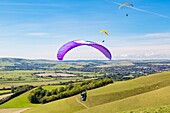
(13, 110)
(81, 103)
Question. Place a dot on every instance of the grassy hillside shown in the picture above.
(117, 93)
(161, 109)
(68, 105)
(126, 89)
(19, 102)
(151, 99)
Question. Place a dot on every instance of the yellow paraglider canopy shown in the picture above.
(125, 4)
(104, 31)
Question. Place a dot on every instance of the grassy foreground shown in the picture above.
(19, 102)
(161, 109)
(68, 105)
(151, 99)
(117, 97)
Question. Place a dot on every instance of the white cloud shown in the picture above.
(37, 34)
(32, 4)
(158, 35)
(21, 12)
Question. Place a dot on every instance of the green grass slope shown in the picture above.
(116, 92)
(151, 99)
(5, 91)
(126, 89)
(19, 102)
(68, 105)
(161, 109)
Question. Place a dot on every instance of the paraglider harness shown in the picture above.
(83, 95)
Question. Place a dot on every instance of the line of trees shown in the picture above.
(41, 95)
(16, 92)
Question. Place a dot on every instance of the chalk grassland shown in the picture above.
(19, 102)
(13, 110)
(126, 89)
(160, 109)
(150, 87)
(151, 99)
(68, 105)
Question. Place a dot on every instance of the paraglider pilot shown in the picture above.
(83, 95)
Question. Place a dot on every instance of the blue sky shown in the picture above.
(37, 28)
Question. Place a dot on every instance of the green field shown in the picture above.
(151, 99)
(68, 105)
(20, 77)
(120, 63)
(50, 87)
(19, 102)
(119, 96)
(4, 91)
(66, 66)
(161, 109)
(16, 78)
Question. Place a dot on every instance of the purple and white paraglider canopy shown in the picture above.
(72, 44)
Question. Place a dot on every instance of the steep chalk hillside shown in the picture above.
(160, 109)
(115, 95)
(68, 105)
(126, 89)
(151, 99)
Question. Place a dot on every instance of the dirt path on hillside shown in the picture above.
(13, 110)
(81, 103)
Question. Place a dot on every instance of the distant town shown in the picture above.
(118, 70)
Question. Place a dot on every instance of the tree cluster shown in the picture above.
(41, 95)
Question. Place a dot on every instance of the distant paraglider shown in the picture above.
(104, 31)
(72, 44)
(126, 4)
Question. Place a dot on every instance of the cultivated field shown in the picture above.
(5, 95)
(56, 75)
(4, 91)
(18, 78)
(52, 87)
